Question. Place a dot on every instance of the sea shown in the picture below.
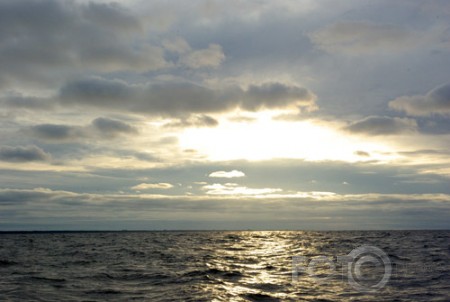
(225, 266)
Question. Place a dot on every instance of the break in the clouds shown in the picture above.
(436, 101)
(272, 113)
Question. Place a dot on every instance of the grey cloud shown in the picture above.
(17, 196)
(176, 45)
(63, 37)
(276, 95)
(436, 101)
(100, 127)
(212, 56)
(205, 120)
(100, 92)
(382, 125)
(28, 102)
(176, 98)
(364, 38)
(54, 132)
(112, 127)
(23, 154)
(425, 152)
(144, 156)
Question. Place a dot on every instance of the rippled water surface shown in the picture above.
(219, 266)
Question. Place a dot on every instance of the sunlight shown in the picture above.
(267, 138)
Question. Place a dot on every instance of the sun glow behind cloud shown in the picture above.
(267, 138)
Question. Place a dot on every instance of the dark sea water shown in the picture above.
(222, 266)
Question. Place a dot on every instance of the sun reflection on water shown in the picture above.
(259, 261)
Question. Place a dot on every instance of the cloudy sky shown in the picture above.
(224, 114)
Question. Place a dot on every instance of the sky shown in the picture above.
(179, 115)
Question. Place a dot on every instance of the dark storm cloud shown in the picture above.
(23, 154)
(436, 101)
(382, 125)
(181, 98)
(64, 36)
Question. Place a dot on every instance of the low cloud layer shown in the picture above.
(436, 101)
(307, 209)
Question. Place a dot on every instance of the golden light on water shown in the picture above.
(258, 264)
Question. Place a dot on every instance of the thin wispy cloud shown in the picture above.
(225, 174)
(147, 186)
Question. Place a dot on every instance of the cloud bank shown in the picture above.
(319, 211)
